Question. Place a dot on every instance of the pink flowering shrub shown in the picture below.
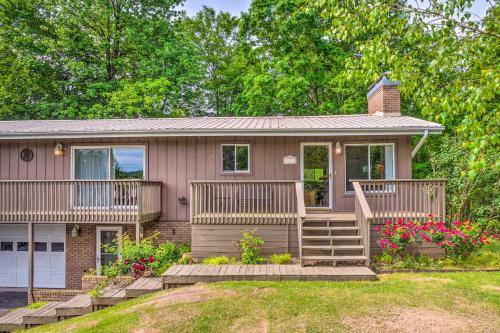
(459, 239)
(399, 237)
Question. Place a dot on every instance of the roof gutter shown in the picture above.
(419, 144)
(171, 133)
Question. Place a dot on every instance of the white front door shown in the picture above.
(49, 256)
(106, 235)
(316, 174)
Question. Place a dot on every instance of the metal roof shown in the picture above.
(362, 124)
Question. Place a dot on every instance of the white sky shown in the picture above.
(235, 7)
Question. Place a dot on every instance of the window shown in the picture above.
(109, 163)
(22, 246)
(7, 246)
(57, 247)
(235, 158)
(373, 161)
(40, 247)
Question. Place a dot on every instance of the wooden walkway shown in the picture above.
(190, 274)
(143, 286)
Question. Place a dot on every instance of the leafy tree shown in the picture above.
(95, 59)
(215, 35)
(293, 66)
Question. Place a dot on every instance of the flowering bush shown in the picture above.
(142, 259)
(399, 237)
(460, 239)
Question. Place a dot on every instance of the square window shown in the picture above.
(235, 158)
(57, 247)
(7, 246)
(40, 247)
(22, 246)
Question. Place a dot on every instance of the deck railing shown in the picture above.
(123, 201)
(410, 199)
(243, 202)
(363, 215)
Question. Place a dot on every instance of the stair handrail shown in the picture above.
(363, 216)
(301, 214)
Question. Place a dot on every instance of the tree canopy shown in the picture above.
(77, 59)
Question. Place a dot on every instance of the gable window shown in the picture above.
(369, 161)
(236, 158)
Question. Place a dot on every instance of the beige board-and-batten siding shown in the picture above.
(177, 161)
(216, 240)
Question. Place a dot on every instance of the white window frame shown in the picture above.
(98, 244)
(108, 147)
(369, 165)
(235, 145)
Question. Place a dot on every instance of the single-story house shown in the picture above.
(313, 186)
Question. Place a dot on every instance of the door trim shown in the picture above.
(119, 231)
(330, 167)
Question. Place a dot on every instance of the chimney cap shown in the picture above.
(382, 81)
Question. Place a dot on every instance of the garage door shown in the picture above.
(49, 259)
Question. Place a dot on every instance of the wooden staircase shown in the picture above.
(77, 306)
(333, 238)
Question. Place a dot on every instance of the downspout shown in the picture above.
(419, 144)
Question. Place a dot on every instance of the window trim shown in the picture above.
(232, 172)
(108, 147)
(369, 166)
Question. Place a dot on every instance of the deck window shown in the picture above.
(236, 158)
(370, 161)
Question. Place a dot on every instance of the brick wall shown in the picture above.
(81, 250)
(386, 99)
(59, 295)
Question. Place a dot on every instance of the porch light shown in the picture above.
(75, 231)
(59, 150)
(338, 148)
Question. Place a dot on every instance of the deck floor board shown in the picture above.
(190, 274)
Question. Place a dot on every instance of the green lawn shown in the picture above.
(452, 302)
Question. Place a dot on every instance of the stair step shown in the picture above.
(336, 217)
(43, 315)
(13, 320)
(332, 237)
(335, 258)
(333, 247)
(76, 306)
(331, 228)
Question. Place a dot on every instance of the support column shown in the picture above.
(31, 245)
(137, 233)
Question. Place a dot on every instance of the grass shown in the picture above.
(36, 305)
(470, 300)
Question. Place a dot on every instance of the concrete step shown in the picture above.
(13, 320)
(335, 258)
(332, 237)
(333, 247)
(143, 286)
(41, 316)
(76, 306)
(331, 228)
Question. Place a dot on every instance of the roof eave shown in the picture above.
(191, 133)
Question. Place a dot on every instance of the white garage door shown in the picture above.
(49, 259)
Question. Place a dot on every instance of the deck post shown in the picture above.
(30, 262)
(137, 233)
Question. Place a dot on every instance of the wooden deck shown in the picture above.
(76, 306)
(190, 274)
(13, 320)
(41, 316)
(111, 295)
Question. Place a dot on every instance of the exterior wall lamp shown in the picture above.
(59, 150)
(338, 148)
(75, 232)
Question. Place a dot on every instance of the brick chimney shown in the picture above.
(383, 97)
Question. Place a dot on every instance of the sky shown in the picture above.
(235, 7)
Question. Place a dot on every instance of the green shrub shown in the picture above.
(142, 259)
(36, 305)
(250, 248)
(281, 259)
(221, 260)
(185, 248)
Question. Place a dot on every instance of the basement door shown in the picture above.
(49, 256)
